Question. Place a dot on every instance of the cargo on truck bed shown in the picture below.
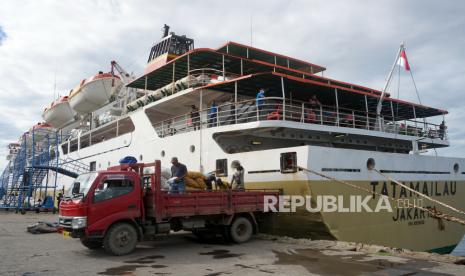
(118, 207)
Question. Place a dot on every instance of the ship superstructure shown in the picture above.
(201, 106)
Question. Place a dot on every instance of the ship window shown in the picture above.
(73, 145)
(93, 166)
(222, 167)
(371, 163)
(85, 141)
(288, 162)
(64, 148)
(162, 153)
(107, 132)
(192, 148)
(456, 168)
(125, 126)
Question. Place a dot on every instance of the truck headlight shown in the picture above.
(79, 222)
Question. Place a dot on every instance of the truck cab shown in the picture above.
(120, 206)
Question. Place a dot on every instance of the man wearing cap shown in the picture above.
(178, 172)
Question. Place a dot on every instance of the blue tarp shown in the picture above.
(128, 160)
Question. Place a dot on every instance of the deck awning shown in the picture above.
(249, 52)
(208, 58)
(302, 90)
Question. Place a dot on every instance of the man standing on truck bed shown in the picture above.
(178, 172)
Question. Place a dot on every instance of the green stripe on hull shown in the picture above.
(443, 250)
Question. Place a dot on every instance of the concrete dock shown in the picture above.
(22, 253)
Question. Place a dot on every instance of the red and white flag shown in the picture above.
(403, 60)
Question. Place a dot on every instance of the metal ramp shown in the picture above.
(32, 174)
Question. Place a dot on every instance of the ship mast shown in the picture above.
(381, 98)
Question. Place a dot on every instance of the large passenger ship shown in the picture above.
(305, 120)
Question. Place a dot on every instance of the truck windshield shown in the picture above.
(82, 184)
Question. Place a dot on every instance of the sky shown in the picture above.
(48, 46)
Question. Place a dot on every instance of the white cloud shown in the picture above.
(356, 41)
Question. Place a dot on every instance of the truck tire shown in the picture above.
(120, 239)
(92, 244)
(241, 230)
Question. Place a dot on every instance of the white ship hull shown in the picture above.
(199, 151)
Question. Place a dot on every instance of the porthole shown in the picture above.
(371, 164)
(192, 148)
(456, 168)
(141, 157)
(109, 163)
(162, 153)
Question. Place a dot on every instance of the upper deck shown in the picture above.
(234, 73)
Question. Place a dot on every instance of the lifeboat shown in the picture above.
(59, 114)
(94, 92)
(39, 131)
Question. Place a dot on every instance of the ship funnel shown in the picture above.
(166, 30)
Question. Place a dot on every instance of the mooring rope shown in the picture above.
(434, 213)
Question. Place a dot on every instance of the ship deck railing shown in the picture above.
(277, 109)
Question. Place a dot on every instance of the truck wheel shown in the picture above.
(92, 244)
(241, 230)
(121, 239)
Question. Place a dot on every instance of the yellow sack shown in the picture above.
(201, 183)
(194, 175)
(190, 182)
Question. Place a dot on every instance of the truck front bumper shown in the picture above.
(75, 226)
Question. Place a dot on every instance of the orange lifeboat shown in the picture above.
(59, 114)
(94, 92)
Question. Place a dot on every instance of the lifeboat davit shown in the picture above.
(94, 92)
(59, 114)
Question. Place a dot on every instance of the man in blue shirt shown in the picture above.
(212, 114)
(259, 101)
(178, 173)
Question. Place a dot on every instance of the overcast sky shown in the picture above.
(356, 41)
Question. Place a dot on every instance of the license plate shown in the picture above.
(66, 234)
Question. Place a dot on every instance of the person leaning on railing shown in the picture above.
(195, 117)
(260, 100)
(212, 114)
(442, 130)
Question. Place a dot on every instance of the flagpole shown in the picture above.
(380, 101)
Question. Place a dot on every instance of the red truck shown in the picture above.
(118, 207)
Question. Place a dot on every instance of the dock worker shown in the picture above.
(237, 181)
(178, 173)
